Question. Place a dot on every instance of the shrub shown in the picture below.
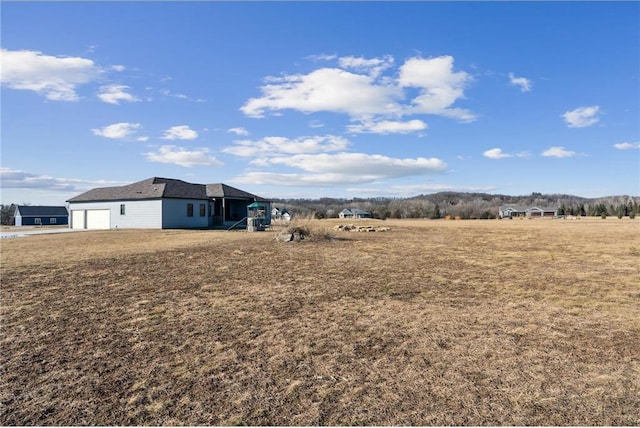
(307, 230)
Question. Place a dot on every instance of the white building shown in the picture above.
(162, 203)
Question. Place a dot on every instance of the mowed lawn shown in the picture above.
(496, 322)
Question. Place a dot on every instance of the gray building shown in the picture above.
(38, 215)
(162, 203)
(510, 211)
(354, 213)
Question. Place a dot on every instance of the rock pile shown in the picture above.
(286, 236)
(354, 228)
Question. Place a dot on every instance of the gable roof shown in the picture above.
(522, 209)
(516, 208)
(354, 211)
(543, 209)
(221, 190)
(158, 187)
(40, 211)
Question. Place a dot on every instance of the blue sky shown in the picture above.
(305, 100)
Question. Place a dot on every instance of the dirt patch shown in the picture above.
(437, 323)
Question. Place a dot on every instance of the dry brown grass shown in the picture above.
(433, 323)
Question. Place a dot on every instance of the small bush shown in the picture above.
(308, 230)
(603, 216)
(632, 215)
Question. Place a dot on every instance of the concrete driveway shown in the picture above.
(20, 232)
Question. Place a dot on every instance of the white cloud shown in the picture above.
(322, 57)
(113, 94)
(118, 68)
(363, 93)
(326, 89)
(496, 153)
(169, 93)
(358, 167)
(582, 117)
(524, 83)
(183, 157)
(388, 127)
(238, 131)
(440, 86)
(281, 145)
(182, 132)
(627, 146)
(416, 189)
(297, 179)
(372, 66)
(558, 152)
(17, 179)
(54, 77)
(118, 131)
(339, 169)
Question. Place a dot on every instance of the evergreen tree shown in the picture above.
(436, 212)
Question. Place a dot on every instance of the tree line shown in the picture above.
(442, 204)
(459, 204)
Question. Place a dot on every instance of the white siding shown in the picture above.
(174, 214)
(148, 214)
(138, 214)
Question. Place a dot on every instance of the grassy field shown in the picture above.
(498, 322)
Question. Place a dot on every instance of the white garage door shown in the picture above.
(77, 219)
(98, 219)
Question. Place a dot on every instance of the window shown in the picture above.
(37, 221)
(53, 220)
(189, 210)
(122, 210)
(203, 210)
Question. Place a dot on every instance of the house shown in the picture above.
(354, 213)
(280, 214)
(511, 211)
(541, 212)
(32, 215)
(162, 203)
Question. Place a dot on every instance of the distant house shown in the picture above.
(162, 203)
(511, 211)
(35, 215)
(541, 212)
(280, 214)
(354, 213)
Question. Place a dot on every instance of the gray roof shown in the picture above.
(221, 190)
(522, 209)
(355, 211)
(158, 187)
(545, 209)
(40, 211)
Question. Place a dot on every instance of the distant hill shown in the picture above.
(465, 205)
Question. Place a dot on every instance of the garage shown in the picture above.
(77, 219)
(98, 219)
